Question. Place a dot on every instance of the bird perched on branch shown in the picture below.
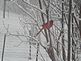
(45, 26)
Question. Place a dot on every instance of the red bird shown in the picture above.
(45, 26)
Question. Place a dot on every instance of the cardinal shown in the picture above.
(45, 26)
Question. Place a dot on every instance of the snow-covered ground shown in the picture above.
(13, 52)
(20, 53)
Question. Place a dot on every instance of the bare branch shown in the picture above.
(35, 7)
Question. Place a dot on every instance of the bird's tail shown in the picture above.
(38, 32)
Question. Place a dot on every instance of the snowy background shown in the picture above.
(16, 49)
(13, 52)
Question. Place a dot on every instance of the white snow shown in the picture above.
(12, 51)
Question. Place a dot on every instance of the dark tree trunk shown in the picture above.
(30, 45)
(46, 35)
(50, 50)
(73, 53)
(69, 29)
(62, 22)
(4, 8)
(37, 52)
(80, 22)
(3, 48)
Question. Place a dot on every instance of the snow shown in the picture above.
(18, 49)
(12, 51)
(35, 7)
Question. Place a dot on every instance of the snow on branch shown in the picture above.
(35, 7)
(17, 35)
(78, 18)
(25, 11)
